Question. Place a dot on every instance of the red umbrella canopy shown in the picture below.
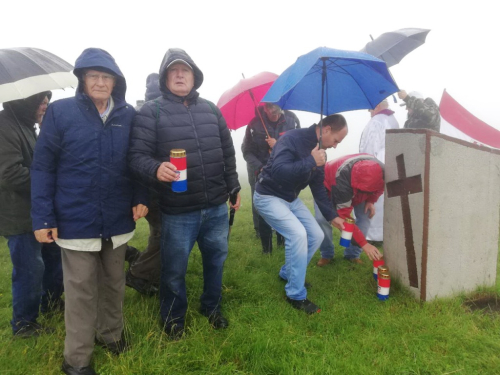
(238, 106)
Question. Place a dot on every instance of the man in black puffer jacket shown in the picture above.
(180, 119)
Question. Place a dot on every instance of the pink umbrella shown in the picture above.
(238, 104)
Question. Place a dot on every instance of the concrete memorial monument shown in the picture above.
(441, 219)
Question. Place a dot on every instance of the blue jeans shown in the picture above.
(294, 221)
(327, 248)
(28, 275)
(209, 227)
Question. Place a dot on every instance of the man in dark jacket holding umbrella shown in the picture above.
(180, 119)
(84, 200)
(36, 272)
(260, 137)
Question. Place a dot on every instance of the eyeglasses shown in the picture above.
(106, 78)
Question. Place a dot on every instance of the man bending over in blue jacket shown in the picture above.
(295, 163)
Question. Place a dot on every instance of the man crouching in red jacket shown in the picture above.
(353, 182)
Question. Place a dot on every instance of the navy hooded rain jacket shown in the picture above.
(80, 179)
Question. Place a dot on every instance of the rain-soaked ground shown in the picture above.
(486, 303)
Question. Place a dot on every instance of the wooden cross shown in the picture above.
(403, 187)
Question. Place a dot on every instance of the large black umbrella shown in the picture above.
(27, 71)
(394, 45)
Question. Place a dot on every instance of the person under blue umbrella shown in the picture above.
(295, 163)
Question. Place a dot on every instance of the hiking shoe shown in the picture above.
(140, 285)
(131, 254)
(115, 347)
(323, 262)
(174, 332)
(305, 305)
(70, 370)
(32, 330)
(217, 321)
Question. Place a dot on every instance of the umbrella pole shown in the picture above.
(257, 109)
(393, 96)
(323, 80)
(258, 112)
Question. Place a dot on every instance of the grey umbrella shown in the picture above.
(27, 71)
(394, 45)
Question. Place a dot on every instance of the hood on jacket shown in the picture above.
(178, 54)
(152, 87)
(367, 176)
(25, 109)
(99, 59)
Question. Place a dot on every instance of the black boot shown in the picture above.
(266, 236)
(280, 240)
(267, 244)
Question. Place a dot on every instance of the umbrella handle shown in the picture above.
(233, 196)
(257, 109)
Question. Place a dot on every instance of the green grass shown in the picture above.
(355, 333)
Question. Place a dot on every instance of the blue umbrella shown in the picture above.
(328, 81)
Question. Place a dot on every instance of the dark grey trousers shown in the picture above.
(94, 286)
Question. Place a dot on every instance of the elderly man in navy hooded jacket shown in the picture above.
(180, 119)
(83, 198)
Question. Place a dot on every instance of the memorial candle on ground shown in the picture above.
(345, 237)
(384, 285)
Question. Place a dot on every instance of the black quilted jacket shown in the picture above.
(199, 128)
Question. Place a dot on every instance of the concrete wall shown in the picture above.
(454, 219)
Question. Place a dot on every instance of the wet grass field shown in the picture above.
(354, 333)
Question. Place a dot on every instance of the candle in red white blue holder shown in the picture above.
(382, 269)
(178, 158)
(346, 235)
(384, 285)
(376, 264)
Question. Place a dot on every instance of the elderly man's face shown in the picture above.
(273, 112)
(98, 85)
(41, 110)
(180, 79)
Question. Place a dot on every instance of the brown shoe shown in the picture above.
(356, 261)
(323, 262)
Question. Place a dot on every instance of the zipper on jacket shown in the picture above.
(91, 106)
(199, 153)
